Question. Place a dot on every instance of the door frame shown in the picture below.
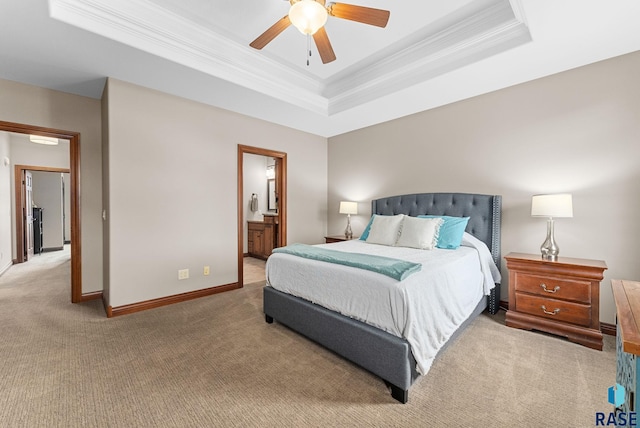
(26, 192)
(281, 187)
(74, 178)
(20, 202)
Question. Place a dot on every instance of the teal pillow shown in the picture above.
(451, 231)
(365, 234)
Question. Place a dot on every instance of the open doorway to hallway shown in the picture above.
(19, 159)
(38, 202)
(44, 205)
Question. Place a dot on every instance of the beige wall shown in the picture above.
(36, 106)
(575, 132)
(172, 168)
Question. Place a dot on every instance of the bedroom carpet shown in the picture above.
(214, 362)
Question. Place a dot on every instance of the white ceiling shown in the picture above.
(431, 53)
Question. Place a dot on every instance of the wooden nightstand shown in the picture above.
(560, 297)
(336, 238)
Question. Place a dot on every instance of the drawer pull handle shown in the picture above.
(555, 311)
(544, 287)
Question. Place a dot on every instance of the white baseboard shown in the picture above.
(3, 269)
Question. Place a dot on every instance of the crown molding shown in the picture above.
(160, 32)
(477, 31)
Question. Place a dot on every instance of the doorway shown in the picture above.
(24, 201)
(74, 190)
(280, 190)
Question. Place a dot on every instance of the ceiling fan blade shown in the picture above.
(277, 28)
(366, 15)
(324, 46)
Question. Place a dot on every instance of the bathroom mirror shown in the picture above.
(272, 202)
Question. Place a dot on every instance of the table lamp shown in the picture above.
(551, 206)
(348, 208)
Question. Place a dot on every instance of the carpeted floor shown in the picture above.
(253, 270)
(214, 362)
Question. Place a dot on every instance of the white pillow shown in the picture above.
(419, 233)
(385, 229)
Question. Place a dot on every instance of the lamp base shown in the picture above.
(549, 248)
(348, 233)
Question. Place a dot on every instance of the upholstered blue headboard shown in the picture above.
(483, 210)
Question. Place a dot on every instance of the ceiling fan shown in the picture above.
(309, 16)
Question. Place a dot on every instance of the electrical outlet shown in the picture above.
(206, 270)
(183, 274)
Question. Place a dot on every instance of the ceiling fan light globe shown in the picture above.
(308, 16)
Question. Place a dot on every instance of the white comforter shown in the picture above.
(425, 309)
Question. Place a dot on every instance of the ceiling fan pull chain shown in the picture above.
(308, 47)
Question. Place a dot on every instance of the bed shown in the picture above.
(376, 348)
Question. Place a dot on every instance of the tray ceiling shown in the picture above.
(430, 53)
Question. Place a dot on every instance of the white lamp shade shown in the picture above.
(308, 16)
(559, 205)
(348, 207)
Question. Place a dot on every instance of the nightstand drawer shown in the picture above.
(555, 288)
(553, 309)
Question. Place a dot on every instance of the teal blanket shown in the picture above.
(394, 268)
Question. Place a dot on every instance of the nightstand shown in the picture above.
(336, 238)
(561, 297)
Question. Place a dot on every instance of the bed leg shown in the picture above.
(402, 395)
(494, 300)
(268, 319)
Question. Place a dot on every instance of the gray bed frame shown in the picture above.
(377, 351)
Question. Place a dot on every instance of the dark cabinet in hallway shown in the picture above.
(37, 231)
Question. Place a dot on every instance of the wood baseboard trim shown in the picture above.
(168, 300)
(605, 328)
(107, 308)
(95, 295)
